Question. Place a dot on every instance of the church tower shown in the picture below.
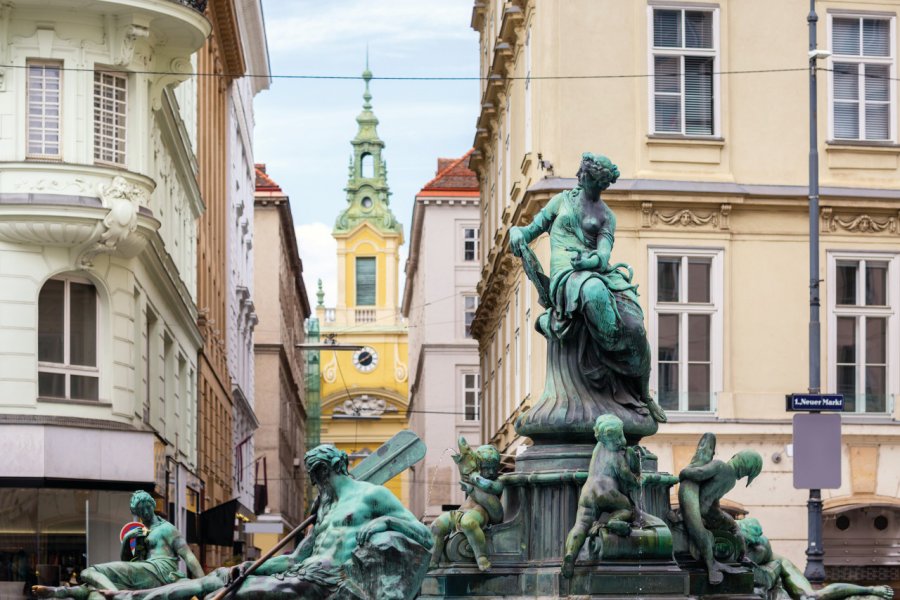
(365, 393)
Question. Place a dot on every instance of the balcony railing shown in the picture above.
(365, 315)
(198, 5)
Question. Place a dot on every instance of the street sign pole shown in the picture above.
(815, 567)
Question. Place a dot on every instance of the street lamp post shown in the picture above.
(815, 568)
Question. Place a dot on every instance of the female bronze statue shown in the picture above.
(599, 357)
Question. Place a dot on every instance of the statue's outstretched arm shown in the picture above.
(701, 472)
(540, 224)
(488, 485)
(184, 552)
(411, 528)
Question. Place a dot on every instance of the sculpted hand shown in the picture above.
(134, 533)
(584, 262)
(370, 529)
(517, 243)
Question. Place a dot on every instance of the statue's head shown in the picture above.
(325, 460)
(609, 431)
(488, 460)
(142, 505)
(596, 170)
(751, 530)
(747, 463)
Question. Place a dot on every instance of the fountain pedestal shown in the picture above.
(526, 550)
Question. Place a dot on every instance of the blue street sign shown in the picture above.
(815, 402)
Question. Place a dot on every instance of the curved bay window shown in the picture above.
(67, 340)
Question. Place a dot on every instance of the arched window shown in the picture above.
(67, 340)
(367, 168)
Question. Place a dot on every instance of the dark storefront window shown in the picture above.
(47, 536)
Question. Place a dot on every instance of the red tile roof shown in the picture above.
(453, 175)
(264, 183)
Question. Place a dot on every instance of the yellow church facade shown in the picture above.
(365, 391)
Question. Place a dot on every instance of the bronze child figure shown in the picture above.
(478, 472)
(703, 484)
(614, 474)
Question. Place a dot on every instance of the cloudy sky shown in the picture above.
(304, 127)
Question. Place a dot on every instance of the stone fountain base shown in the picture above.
(526, 550)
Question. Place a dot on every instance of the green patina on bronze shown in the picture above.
(364, 544)
(779, 579)
(368, 194)
(598, 358)
(158, 548)
(607, 506)
(703, 484)
(478, 472)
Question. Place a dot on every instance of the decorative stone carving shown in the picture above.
(122, 43)
(124, 201)
(329, 371)
(864, 223)
(179, 70)
(401, 372)
(362, 406)
(77, 185)
(685, 217)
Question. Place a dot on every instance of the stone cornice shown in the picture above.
(227, 29)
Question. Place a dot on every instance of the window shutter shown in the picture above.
(698, 29)
(846, 97)
(667, 81)
(845, 36)
(667, 28)
(878, 96)
(698, 99)
(876, 37)
(365, 281)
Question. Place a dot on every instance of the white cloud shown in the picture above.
(318, 251)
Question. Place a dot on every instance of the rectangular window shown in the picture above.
(471, 397)
(470, 305)
(67, 340)
(686, 328)
(110, 96)
(683, 61)
(862, 329)
(862, 66)
(44, 89)
(470, 244)
(365, 281)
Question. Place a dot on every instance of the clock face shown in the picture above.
(365, 360)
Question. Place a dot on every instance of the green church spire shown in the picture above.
(368, 194)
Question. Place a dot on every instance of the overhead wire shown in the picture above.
(333, 77)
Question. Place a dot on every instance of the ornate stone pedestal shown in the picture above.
(526, 550)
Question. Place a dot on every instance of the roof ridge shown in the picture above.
(443, 172)
(260, 174)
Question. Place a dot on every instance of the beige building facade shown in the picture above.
(703, 107)
(282, 306)
(439, 299)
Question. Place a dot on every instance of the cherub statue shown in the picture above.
(703, 484)
(478, 472)
(780, 578)
(153, 563)
(606, 501)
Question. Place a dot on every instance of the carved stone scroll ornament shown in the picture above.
(123, 43)
(685, 217)
(123, 200)
(831, 223)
